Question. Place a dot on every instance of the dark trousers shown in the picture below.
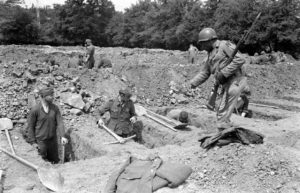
(48, 149)
(137, 129)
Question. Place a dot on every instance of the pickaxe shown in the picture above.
(119, 139)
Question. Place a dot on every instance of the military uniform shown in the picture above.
(235, 82)
(120, 115)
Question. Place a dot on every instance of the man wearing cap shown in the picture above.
(184, 117)
(43, 121)
(123, 120)
(230, 76)
(90, 50)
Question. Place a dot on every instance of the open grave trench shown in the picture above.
(90, 144)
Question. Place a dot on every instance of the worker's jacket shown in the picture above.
(120, 115)
(90, 60)
(216, 61)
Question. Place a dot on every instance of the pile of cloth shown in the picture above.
(231, 135)
(147, 175)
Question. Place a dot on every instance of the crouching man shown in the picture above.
(123, 120)
(43, 121)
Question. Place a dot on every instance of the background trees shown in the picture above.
(168, 24)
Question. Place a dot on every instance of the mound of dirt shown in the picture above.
(151, 75)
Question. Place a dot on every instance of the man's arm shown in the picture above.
(106, 107)
(60, 123)
(31, 121)
(236, 63)
(201, 77)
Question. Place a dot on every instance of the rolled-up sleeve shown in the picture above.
(132, 110)
(31, 122)
(60, 123)
(106, 107)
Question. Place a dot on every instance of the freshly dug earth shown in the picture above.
(270, 167)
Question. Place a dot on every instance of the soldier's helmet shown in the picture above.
(126, 92)
(207, 34)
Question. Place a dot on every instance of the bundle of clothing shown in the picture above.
(147, 175)
(231, 135)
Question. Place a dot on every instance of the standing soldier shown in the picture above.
(229, 77)
(123, 120)
(192, 53)
(90, 50)
(43, 121)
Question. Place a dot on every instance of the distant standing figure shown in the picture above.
(90, 50)
(192, 53)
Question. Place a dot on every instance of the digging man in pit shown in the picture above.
(123, 119)
(229, 77)
(43, 121)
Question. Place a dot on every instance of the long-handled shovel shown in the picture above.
(126, 139)
(117, 137)
(141, 111)
(6, 124)
(176, 124)
(63, 152)
(49, 177)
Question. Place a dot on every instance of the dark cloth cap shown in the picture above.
(126, 92)
(183, 117)
(46, 91)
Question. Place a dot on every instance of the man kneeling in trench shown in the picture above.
(123, 120)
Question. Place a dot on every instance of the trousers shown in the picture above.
(48, 149)
(232, 91)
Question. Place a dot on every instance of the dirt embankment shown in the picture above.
(271, 167)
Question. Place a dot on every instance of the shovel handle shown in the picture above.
(160, 122)
(164, 118)
(117, 137)
(23, 161)
(9, 141)
(115, 142)
(63, 153)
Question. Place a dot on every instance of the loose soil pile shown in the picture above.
(270, 167)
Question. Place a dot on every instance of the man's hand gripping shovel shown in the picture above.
(119, 139)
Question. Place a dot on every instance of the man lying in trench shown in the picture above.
(123, 120)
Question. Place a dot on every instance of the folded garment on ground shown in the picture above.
(146, 176)
(231, 135)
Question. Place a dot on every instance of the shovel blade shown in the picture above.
(51, 179)
(6, 123)
(182, 126)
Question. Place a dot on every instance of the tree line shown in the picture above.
(167, 24)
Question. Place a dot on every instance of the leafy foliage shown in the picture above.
(168, 24)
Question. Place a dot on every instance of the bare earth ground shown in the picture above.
(270, 167)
